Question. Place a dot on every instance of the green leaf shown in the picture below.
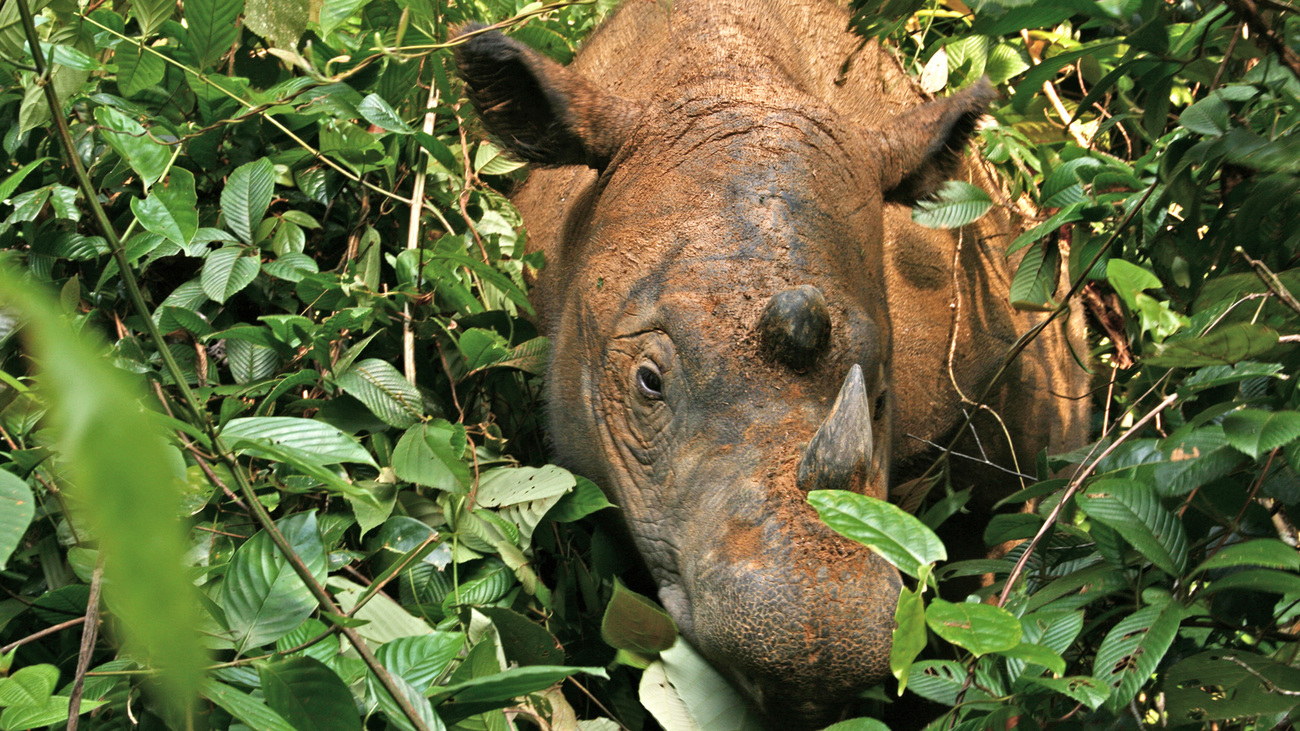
(386, 620)
(385, 391)
(334, 13)
(1034, 282)
(1257, 432)
(1209, 116)
(227, 271)
(171, 210)
(29, 686)
(246, 196)
(394, 712)
(123, 475)
(980, 628)
(250, 362)
(1266, 580)
(503, 486)
(377, 112)
(17, 506)
(53, 710)
(894, 534)
(909, 634)
(213, 29)
(941, 681)
(956, 204)
(431, 455)
(1037, 654)
(1223, 345)
(1261, 552)
(282, 22)
(633, 622)
(253, 712)
(308, 695)
(264, 599)
(482, 348)
(1089, 691)
(1129, 280)
(419, 660)
(584, 500)
(711, 701)
(151, 14)
(149, 159)
(319, 442)
(1134, 510)
(858, 724)
(1133, 647)
(489, 160)
(509, 684)
(1228, 685)
(16, 178)
(138, 68)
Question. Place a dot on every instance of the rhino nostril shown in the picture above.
(795, 327)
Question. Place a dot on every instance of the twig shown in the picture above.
(1050, 91)
(413, 231)
(1073, 487)
(1270, 280)
(89, 634)
(1264, 36)
(983, 461)
(53, 629)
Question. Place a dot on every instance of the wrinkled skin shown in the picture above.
(702, 160)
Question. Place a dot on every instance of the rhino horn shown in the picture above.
(841, 448)
(795, 326)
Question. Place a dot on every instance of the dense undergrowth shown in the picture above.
(259, 275)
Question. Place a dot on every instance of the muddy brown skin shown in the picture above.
(701, 159)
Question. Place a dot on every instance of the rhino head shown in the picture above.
(721, 344)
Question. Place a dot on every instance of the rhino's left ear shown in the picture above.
(923, 145)
(539, 110)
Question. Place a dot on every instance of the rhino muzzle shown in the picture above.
(839, 455)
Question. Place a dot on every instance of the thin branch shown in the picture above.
(1270, 280)
(89, 634)
(1248, 12)
(53, 629)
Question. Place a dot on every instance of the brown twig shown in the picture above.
(52, 629)
(1271, 281)
(1264, 37)
(89, 634)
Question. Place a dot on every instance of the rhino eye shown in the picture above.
(649, 381)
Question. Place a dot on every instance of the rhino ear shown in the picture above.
(923, 145)
(539, 110)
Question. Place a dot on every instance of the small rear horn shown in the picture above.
(795, 327)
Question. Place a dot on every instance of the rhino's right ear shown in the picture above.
(923, 145)
(540, 111)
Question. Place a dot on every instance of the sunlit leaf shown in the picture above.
(895, 535)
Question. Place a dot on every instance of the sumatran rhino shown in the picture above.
(741, 310)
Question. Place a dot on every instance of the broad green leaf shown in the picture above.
(122, 473)
(213, 29)
(379, 113)
(1034, 282)
(432, 721)
(53, 710)
(503, 486)
(333, 13)
(509, 684)
(246, 196)
(138, 68)
(1229, 685)
(385, 391)
(663, 701)
(1195, 459)
(712, 702)
(282, 22)
(228, 270)
(250, 362)
(321, 442)
(419, 660)
(17, 506)
(482, 348)
(253, 712)
(980, 628)
(1037, 654)
(584, 500)
(17, 177)
(909, 634)
(431, 455)
(895, 535)
(1134, 510)
(1133, 647)
(489, 160)
(1209, 116)
(956, 204)
(633, 622)
(308, 695)
(171, 210)
(1223, 345)
(1129, 280)
(1257, 432)
(1087, 690)
(1265, 580)
(29, 686)
(151, 14)
(858, 724)
(149, 159)
(386, 620)
(1261, 552)
(1222, 375)
(264, 599)
(941, 681)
